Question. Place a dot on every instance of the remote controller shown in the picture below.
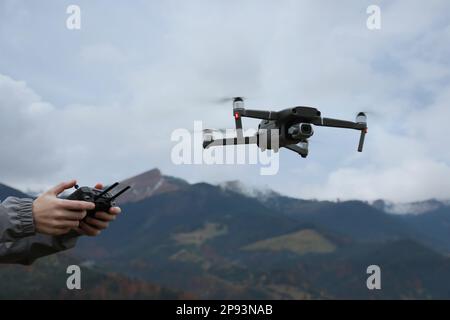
(102, 198)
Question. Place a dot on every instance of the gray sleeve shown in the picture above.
(26, 251)
(19, 242)
(16, 219)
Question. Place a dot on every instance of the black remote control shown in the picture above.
(102, 198)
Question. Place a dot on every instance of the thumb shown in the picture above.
(62, 186)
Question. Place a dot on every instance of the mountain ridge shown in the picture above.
(6, 191)
(148, 184)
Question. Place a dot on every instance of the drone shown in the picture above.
(294, 126)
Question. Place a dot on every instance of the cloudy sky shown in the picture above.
(100, 103)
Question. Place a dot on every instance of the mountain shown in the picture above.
(355, 219)
(234, 242)
(408, 271)
(220, 242)
(243, 189)
(163, 217)
(301, 242)
(148, 184)
(46, 279)
(428, 222)
(434, 224)
(192, 239)
(430, 218)
(6, 192)
(418, 207)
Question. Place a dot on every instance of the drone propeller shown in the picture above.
(227, 99)
(221, 130)
(211, 130)
(373, 114)
(222, 101)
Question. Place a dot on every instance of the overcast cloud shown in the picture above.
(99, 104)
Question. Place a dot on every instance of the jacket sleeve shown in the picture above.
(16, 219)
(19, 242)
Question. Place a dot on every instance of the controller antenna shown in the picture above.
(120, 192)
(106, 190)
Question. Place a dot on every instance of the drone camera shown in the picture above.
(301, 131)
(306, 129)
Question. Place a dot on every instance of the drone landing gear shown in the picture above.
(301, 149)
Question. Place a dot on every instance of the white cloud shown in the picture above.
(411, 180)
(27, 146)
(117, 89)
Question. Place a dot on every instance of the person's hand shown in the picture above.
(55, 216)
(93, 226)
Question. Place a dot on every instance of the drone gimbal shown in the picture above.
(293, 125)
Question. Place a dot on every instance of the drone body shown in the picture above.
(294, 127)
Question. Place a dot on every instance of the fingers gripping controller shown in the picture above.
(102, 198)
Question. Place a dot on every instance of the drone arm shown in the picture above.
(336, 123)
(230, 141)
(259, 114)
(239, 131)
(361, 140)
